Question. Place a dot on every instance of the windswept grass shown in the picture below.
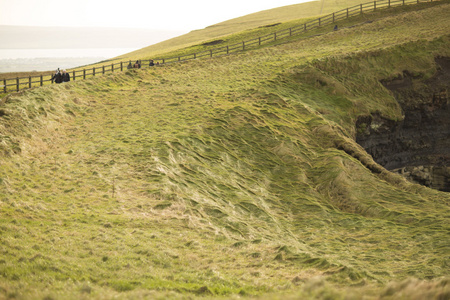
(230, 177)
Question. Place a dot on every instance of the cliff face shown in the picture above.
(418, 146)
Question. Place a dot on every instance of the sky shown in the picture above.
(179, 15)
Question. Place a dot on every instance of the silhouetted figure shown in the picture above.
(151, 64)
(129, 66)
(57, 77)
(137, 64)
(335, 27)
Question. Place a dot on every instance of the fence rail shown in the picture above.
(21, 83)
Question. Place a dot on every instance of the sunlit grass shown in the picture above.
(223, 177)
(297, 13)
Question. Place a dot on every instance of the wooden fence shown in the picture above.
(17, 84)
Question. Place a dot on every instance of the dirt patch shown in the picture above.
(212, 43)
(270, 25)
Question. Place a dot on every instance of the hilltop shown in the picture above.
(285, 14)
(231, 177)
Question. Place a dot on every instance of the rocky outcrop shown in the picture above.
(435, 177)
(418, 146)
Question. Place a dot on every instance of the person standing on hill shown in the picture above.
(57, 77)
(65, 76)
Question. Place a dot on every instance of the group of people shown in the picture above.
(137, 64)
(60, 76)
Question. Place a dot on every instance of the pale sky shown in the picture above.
(185, 15)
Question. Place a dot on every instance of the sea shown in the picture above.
(29, 60)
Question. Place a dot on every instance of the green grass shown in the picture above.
(224, 178)
(247, 28)
(283, 14)
(260, 24)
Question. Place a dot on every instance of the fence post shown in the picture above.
(374, 5)
(121, 66)
(17, 84)
(42, 80)
(73, 75)
(93, 71)
(228, 49)
(333, 17)
(84, 73)
(4, 85)
(347, 12)
(389, 3)
(210, 53)
(103, 67)
(112, 67)
(195, 55)
(290, 31)
(243, 45)
(274, 36)
(305, 27)
(361, 8)
(259, 41)
(29, 82)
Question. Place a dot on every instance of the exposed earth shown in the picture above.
(418, 146)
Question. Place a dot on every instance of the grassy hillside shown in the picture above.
(283, 14)
(230, 177)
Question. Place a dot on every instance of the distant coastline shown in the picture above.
(58, 53)
(26, 49)
(28, 60)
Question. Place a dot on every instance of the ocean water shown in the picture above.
(26, 60)
(50, 53)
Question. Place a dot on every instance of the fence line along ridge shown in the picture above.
(40, 80)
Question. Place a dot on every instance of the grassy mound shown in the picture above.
(230, 177)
